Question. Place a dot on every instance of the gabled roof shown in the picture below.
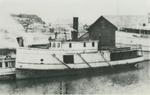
(99, 19)
(125, 21)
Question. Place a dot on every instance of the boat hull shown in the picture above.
(7, 73)
(8, 77)
(40, 73)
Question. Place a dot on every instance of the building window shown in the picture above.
(93, 44)
(68, 59)
(84, 44)
(58, 45)
(70, 45)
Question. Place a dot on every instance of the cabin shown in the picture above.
(69, 46)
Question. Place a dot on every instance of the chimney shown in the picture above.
(75, 23)
(20, 41)
(75, 27)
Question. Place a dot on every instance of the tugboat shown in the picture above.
(61, 57)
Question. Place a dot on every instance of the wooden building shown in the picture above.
(106, 27)
(102, 30)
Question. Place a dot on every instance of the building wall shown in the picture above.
(104, 31)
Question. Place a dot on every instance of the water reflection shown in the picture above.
(124, 80)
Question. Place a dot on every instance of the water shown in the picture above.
(119, 81)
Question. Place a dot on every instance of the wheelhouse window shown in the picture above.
(93, 44)
(70, 45)
(84, 44)
(68, 59)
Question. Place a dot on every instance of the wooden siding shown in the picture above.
(104, 31)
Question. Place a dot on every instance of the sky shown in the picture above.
(87, 10)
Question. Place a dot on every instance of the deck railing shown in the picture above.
(7, 63)
(132, 46)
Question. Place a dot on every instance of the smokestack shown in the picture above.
(75, 27)
(75, 23)
(20, 41)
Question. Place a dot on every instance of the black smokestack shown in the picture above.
(75, 27)
(75, 23)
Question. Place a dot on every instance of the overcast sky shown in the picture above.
(86, 10)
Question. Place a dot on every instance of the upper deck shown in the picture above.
(84, 46)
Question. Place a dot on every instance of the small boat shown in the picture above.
(68, 57)
(7, 68)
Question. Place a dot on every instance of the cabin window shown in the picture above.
(6, 64)
(93, 44)
(9, 64)
(49, 44)
(0, 64)
(70, 45)
(84, 44)
(54, 44)
(68, 59)
(58, 45)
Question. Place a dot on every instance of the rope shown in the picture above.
(105, 60)
(61, 61)
(84, 60)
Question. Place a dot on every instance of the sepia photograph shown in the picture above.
(75, 47)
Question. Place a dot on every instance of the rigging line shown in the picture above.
(61, 61)
(105, 60)
(84, 60)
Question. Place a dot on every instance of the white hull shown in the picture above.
(31, 66)
(30, 59)
(60, 70)
(7, 71)
(7, 68)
